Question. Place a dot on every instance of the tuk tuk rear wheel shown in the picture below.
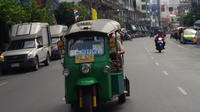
(127, 86)
(122, 98)
(74, 107)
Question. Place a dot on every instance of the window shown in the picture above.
(22, 44)
(163, 8)
(24, 29)
(39, 41)
(187, 32)
(86, 45)
(144, 7)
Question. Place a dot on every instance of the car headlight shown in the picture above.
(85, 68)
(30, 55)
(66, 72)
(1, 58)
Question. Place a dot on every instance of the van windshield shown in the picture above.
(21, 44)
(86, 45)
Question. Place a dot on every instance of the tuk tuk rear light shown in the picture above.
(85, 68)
(66, 72)
(107, 69)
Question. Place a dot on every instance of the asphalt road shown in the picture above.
(160, 82)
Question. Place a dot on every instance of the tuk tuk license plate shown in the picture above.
(83, 58)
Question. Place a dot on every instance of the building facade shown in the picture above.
(168, 12)
(184, 7)
(143, 6)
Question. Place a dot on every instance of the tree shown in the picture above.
(65, 15)
(191, 17)
(14, 12)
(11, 12)
(37, 13)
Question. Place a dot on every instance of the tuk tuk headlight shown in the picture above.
(85, 68)
(66, 72)
(107, 69)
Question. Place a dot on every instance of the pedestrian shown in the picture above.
(176, 35)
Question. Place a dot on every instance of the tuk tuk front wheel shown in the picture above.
(85, 100)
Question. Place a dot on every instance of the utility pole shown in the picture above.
(146, 12)
(158, 2)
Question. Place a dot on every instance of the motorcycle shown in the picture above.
(160, 45)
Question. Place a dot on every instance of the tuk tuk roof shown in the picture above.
(58, 30)
(100, 25)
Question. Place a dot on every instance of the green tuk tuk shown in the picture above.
(93, 64)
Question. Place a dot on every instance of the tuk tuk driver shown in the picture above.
(116, 51)
(116, 45)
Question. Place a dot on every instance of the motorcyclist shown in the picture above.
(160, 35)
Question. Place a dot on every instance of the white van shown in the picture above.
(57, 33)
(29, 46)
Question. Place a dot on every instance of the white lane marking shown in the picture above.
(3, 83)
(146, 49)
(148, 52)
(181, 46)
(182, 90)
(157, 63)
(165, 72)
(176, 44)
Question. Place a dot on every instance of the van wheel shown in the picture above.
(47, 61)
(36, 66)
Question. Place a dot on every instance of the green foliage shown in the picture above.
(13, 12)
(190, 18)
(64, 13)
(36, 13)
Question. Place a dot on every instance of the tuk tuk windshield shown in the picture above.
(189, 32)
(54, 40)
(86, 45)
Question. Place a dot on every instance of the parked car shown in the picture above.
(29, 46)
(57, 34)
